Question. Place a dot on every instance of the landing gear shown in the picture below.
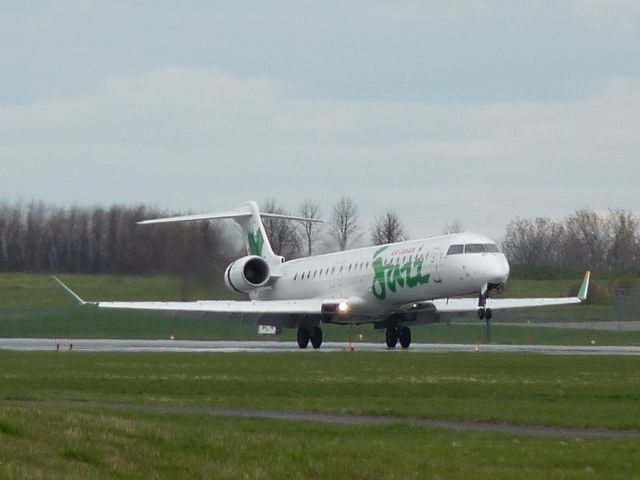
(392, 336)
(303, 337)
(405, 337)
(316, 337)
(305, 334)
(483, 311)
(396, 333)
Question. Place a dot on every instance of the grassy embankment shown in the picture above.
(34, 306)
(47, 441)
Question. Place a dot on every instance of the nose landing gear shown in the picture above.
(485, 313)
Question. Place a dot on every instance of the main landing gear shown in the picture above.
(313, 334)
(395, 333)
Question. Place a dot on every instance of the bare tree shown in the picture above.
(388, 228)
(283, 235)
(587, 239)
(453, 227)
(535, 242)
(345, 222)
(310, 230)
(625, 247)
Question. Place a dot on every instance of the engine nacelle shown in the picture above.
(246, 274)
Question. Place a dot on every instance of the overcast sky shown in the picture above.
(480, 111)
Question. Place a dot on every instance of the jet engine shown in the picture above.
(246, 274)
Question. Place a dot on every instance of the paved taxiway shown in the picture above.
(117, 345)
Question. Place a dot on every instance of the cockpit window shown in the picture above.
(491, 248)
(474, 248)
(455, 249)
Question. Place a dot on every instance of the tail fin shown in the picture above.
(248, 216)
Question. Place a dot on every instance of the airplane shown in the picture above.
(393, 286)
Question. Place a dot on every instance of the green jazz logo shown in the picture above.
(255, 242)
(396, 275)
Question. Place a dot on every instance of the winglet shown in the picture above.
(75, 296)
(584, 288)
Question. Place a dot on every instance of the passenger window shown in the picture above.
(474, 248)
(455, 249)
(302, 277)
(295, 277)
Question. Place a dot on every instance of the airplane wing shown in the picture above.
(468, 305)
(230, 308)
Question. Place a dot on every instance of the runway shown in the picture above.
(121, 345)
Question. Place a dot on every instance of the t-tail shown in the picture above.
(249, 218)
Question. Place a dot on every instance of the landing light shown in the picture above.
(343, 307)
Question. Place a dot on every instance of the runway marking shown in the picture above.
(338, 418)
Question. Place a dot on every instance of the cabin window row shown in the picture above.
(344, 268)
(326, 271)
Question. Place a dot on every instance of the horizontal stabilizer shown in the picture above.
(200, 216)
(222, 215)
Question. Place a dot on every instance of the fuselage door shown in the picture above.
(436, 264)
(335, 279)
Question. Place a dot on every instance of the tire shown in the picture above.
(316, 337)
(488, 314)
(392, 337)
(405, 337)
(303, 337)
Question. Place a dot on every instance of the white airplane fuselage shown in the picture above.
(374, 280)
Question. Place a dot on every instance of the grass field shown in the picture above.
(48, 441)
(34, 306)
(503, 388)
(54, 443)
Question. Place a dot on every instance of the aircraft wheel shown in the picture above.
(481, 313)
(303, 337)
(405, 337)
(316, 337)
(392, 337)
(488, 314)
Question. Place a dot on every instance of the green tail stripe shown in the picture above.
(584, 288)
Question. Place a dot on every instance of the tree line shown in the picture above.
(41, 238)
(585, 239)
(36, 237)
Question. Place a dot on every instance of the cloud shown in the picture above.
(196, 138)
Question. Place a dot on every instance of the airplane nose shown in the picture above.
(499, 271)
